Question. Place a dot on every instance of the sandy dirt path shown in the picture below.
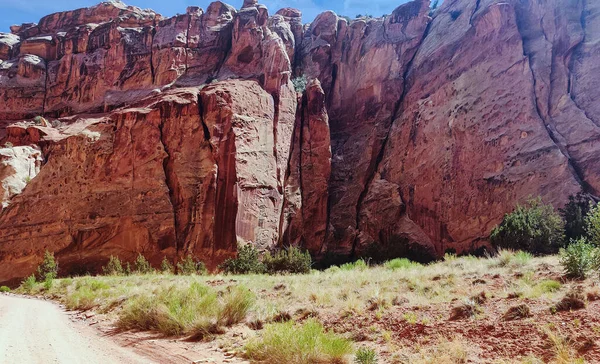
(34, 331)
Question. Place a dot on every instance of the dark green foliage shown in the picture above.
(166, 267)
(246, 262)
(142, 266)
(574, 214)
(535, 228)
(579, 258)
(189, 266)
(592, 225)
(48, 270)
(288, 260)
(113, 267)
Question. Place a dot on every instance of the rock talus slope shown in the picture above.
(127, 132)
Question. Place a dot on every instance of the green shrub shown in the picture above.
(113, 267)
(298, 344)
(290, 260)
(592, 225)
(189, 266)
(28, 284)
(365, 356)
(300, 83)
(360, 264)
(4, 289)
(48, 270)
(535, 228)
(166, 267)
(401, 263)
(142, 266)
(574, 214)
(246, 262)
(579, 258)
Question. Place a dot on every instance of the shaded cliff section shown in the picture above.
(417, 131)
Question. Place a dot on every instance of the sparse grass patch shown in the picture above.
(298, 344)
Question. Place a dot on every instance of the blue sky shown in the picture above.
(24, 11)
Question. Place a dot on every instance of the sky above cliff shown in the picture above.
(27, 11)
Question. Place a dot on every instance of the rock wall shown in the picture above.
(124, 131)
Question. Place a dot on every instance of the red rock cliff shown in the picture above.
(124, 131)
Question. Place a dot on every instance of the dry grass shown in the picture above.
(204, 306)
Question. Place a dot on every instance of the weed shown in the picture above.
(189, 266)
(236, 305)
(360, 264)
(289, 260)
(246, 262)
(166, 267)
(4, 289)
(365, 356)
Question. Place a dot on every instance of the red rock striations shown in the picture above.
(125, 132)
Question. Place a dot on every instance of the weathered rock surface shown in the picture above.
(416, 133)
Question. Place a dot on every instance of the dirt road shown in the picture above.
(34, 331)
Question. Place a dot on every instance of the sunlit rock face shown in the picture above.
(125, 132)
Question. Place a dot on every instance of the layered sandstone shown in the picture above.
(417, 131)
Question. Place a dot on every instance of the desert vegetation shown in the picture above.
(275, 308)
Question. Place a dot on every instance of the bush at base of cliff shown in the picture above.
(246, 262)
(189, 266)
(48, 269)
(535, 228)
(289, 260)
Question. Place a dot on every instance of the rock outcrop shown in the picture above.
(127, 132)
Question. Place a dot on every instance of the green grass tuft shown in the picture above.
(298, 344)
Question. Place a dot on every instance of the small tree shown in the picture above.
(113, 267)
(189, 266)
(48, 270)
(142, 266)
(579, 258)
(166, 267)
(535, 228)
(574, 214)
(592, 225)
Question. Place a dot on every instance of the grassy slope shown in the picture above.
(401, 310)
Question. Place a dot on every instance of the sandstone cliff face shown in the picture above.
(184, 135)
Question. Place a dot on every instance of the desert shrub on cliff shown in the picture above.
(574, 214)
(534, 227)
(246, 262)
(289, 260)
(300, 83)
(189, 266)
